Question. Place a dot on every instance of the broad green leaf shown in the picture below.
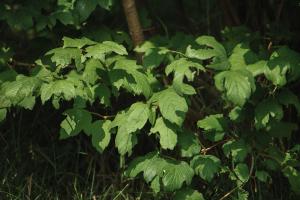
(237, 114)
(20, 92)
(287, 97)
(125, 141)
(201, 54)
(128, 123)
(85, 8)
(129, 74)
(281, 129)
(7, 75)
(76, 120)
(262, 176)
(182, 88)
(77, 43)
(257, 68)
(155, 184)
(236, 85)
(60, 88)
(238, 150)
(267, 110)
(220, 60)
(172, 173)
(189, 144)
(100, 133)
(206, 166)
(283, 66)
(90, 74)
(99, 51)
(103, 93)
(167, 133)
(294, 178)
(28, 102)
(182, 67)
(242, 56)
(176, 174)
(2, 114)
(242, 172)
(65, 56)
(188, 194)
(106, 4)
(151, 165)
(214, 127)
(172, 106)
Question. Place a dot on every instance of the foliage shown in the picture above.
(243, 96)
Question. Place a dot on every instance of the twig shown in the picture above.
(102, 116)
(21, 64)
(279, 10)
(204, 151)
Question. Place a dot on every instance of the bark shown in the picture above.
(134, 25)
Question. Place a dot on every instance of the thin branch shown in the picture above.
(102, 116)
(205, 150)
(15, 63)
(279, 10)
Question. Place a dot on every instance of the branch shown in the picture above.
(134, 25)
(102, 116)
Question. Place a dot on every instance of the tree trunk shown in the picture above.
(134, 24)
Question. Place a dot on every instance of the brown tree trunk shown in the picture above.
(134, 25)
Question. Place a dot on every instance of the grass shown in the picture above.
(36, 165)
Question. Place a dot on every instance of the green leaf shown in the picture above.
(76, 120)
(257, 68)
(172, 106)
(294, 178)
(189, 144)
(64, 56)
(265, 111)
(242, 56)
(176, 174)
(282, 129)
(167, 133)
(172, 173)
(242, 172)
(262, 176)
(60, 88)
(214, 127)
(238, 150)
(283, 66)
(106, 4)
(206, 166)
(236, 85)
(2, 114)
(220, 61)
(182, 88)
(90, 74)
(201, 54)
(287, 97)
(126, 73)
(103, 93)
(128, 123)
(182, 67)
(125, 141)
(20, 92)
(100, 132)
(155, 184)
(85, 8)
(237, 114)
(151, 165)
(77, 43)
(188, 194)
(99, 51)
